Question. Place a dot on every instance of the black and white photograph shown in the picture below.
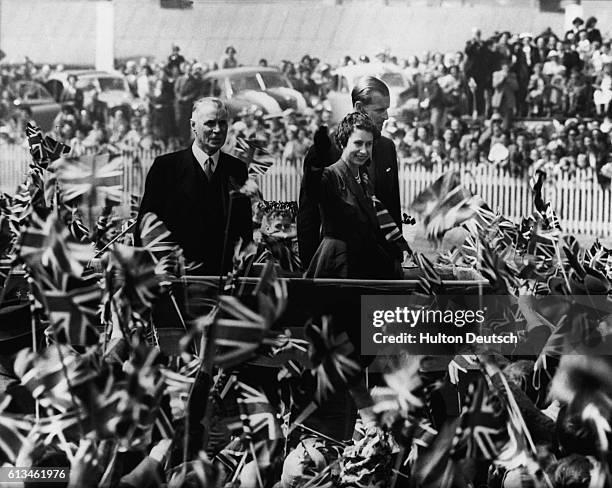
(306, 243)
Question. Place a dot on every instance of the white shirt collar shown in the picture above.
(202, 157)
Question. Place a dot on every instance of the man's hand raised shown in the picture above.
(322, 144)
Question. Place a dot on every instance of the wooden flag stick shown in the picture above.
(240, 466)
(31, 301)
(307, 412)
(323, 436)
(259, 479)
(114, 239)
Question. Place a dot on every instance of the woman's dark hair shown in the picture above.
(355, 120)
(591, 21)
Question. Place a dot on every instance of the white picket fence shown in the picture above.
(581, 204)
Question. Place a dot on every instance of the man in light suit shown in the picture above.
(371, 97)
(191, 191)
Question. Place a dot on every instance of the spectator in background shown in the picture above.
(306, 85)
(570, 59)
(505, 85)
(118, 134)
(263, 62)
(541, 51)
(577, 24)
(65, 116)
(131, 75)
(134, 135)
(97, 109)
(176, 59)
(603, 93)
(229, 59)
(144, 82)
(478, 66)
(593, 33)
(296, 146)
(162, 106)
(71, 95)
(432, 96)
(552, 67)
(526, 39)
(77, 143)
(535, 91)
(96, 136)
(187, 89)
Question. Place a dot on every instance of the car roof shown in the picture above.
(233, 72)
(85, 73)
(364, 69)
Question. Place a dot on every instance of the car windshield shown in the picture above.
(107, 84)
(275, 80)
(247, 82)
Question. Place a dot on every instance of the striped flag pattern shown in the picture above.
(482, 429)
(392, 232)
(238, 331)
(329, 355)
(258, 420)
(255, 154)
(155, 236)
(13, 432)
(89, 174)
(73, 308)
(430, 280)
(35, 142)
(77, 228)
(231, 455)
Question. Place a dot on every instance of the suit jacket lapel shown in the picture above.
(189, 177)
(221, 172)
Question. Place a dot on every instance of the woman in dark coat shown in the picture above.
(353, 244)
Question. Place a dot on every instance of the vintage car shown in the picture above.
(266, 88)
(339, 97)
(112, 87)
(31, 94)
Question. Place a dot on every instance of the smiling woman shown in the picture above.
(354, 244)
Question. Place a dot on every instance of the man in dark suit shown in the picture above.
(192, 191)
(371, 97)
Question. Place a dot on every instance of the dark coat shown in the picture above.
(353, 245)
(196, 210)
(383, 172)
(504, 96)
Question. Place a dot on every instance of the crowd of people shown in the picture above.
(254, 404)
(460, 107)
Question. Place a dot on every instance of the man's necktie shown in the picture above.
(208, 168)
